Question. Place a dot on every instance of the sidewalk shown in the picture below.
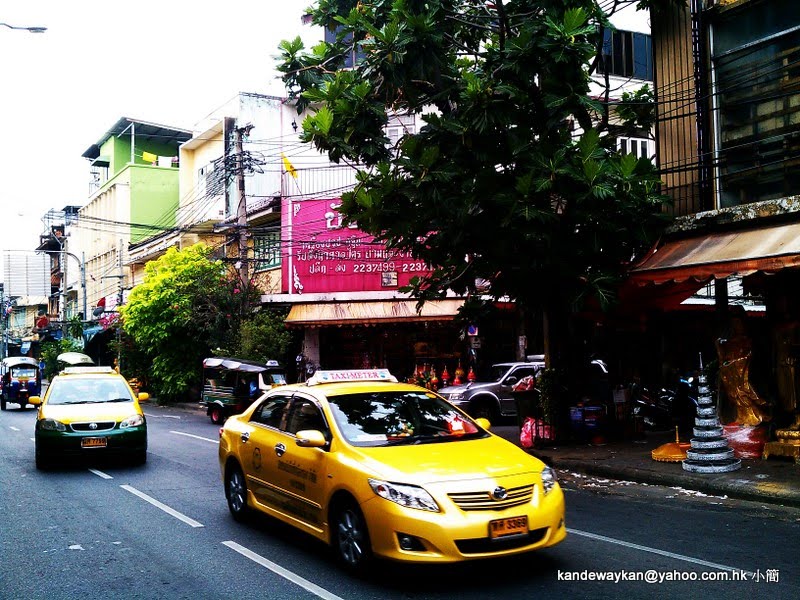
(773, 481)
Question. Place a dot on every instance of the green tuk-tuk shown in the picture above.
(230, 385)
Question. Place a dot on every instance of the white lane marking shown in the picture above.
(164, 507)
(152, 416)
(279, 570)
(197, 437)
(33, 439)
(682, 557)
(100, 474)
(12, 428)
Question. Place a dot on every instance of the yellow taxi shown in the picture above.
(377, 468)
(89, 412)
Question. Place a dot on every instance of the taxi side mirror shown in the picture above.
(311, 438)
(143, 396)
(483, 423)
(35, 400)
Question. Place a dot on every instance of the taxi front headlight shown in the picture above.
(132, 421)
(549, 479)
(52, 425)
(410, 496)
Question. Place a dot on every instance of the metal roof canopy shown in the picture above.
(142, 130)
(370, 313)
(721, 254)
(238, 364)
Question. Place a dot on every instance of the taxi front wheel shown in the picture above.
(236, 492)
(351, 538)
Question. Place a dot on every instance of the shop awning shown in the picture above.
(700, 258)
(371, 313)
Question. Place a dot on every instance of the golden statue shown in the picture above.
(735, 353)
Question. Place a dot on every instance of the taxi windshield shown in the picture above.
(85, 390)
(400, 417)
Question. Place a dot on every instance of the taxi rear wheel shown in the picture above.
(236, 492)
(350, 537)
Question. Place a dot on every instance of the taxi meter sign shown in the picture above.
(351, 375)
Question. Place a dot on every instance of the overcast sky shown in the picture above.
(170, 62)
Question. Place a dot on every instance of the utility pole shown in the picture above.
(119, 304)
(241, 212)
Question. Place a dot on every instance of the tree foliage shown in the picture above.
(263, 337)
(509, 186)
(49, 354)
(187, 304)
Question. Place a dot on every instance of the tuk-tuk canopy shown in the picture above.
(75, 358)
(14, 361)
(239, 364)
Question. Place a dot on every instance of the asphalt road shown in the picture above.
(163, 530)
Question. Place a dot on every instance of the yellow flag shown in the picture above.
(147, 157)
(288, 166)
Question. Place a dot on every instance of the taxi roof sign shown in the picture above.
(350, 375)
(88, 369)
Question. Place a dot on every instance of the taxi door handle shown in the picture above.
(245, 437)
(280, 449)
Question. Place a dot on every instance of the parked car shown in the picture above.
(377, 468)
(89, 411)
(492, 398)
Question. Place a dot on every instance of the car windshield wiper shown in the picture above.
(120, 400)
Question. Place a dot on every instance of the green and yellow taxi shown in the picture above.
(377, 468)
(88, 412)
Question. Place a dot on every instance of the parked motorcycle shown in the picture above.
(663, 409)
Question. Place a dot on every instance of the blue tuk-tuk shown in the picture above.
(21, 380)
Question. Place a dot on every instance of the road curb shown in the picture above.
(743, 488)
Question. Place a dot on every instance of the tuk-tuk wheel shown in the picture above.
(216, 415)
(2, 403)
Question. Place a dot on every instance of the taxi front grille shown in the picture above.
(484, 500)
(98, 426)
(487, 546)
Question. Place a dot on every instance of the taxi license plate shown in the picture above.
(511, 526)
(94, 442)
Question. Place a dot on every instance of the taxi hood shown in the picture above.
(449, 461)
(101, 411)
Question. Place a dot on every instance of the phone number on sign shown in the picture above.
(389, 267)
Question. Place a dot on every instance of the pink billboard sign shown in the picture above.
(321, 255)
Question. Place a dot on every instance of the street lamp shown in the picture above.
(29, 29)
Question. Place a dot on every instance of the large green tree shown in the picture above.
(187, 305)
(511, 188)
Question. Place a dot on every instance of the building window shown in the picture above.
(756, 60)
(267, 251)
(355, 56)
(640, 147)
(399, 125)
(211, 179)
(627, 54)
